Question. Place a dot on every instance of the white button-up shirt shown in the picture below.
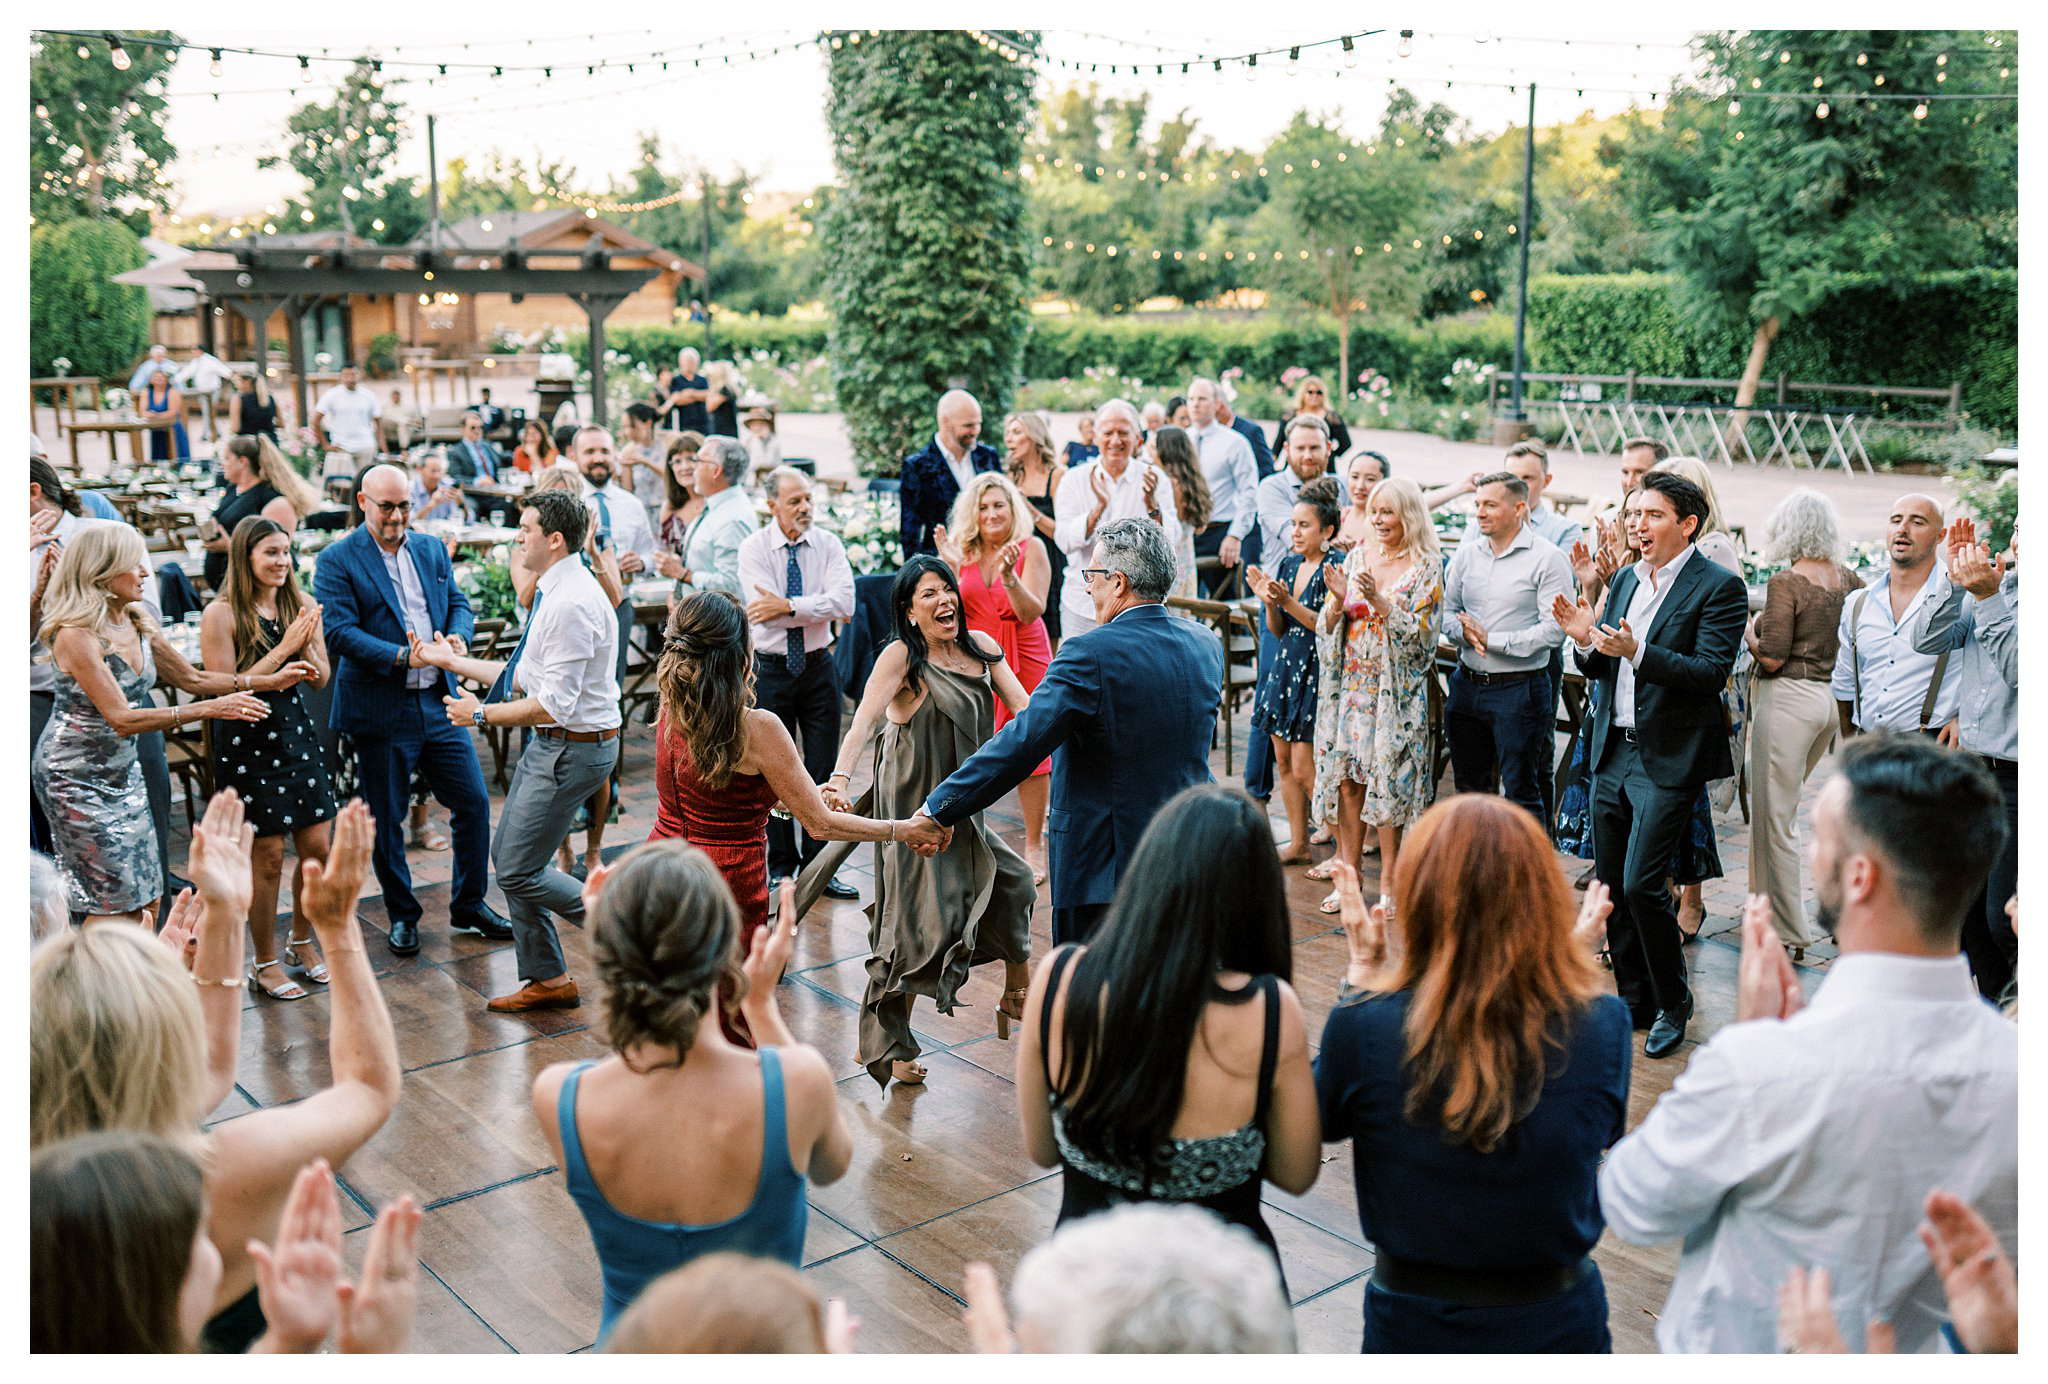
(1233, 476)
(827, 578)
(1653, 584)
(1894, 674)
(631, 533)
(1511, 596)
(962, 466)
(1813, 1141)
(412, 603)
(569, 655)
(1070, 512)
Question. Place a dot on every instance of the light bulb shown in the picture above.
(1350, 55)
(1293, 61)
(1406, 47)
(1735, 107)
(122, 62)
(1821, 110)
(1920, 111)
(213, 68)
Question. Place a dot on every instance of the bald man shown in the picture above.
(933, 478)
(1881, 681)
(378, 588)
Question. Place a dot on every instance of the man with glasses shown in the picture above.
(381, 588)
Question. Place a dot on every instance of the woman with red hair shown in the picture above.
(1481, 1072)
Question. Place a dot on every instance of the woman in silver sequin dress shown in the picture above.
(108, 653)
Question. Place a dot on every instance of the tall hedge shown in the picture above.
(1926, 331)
(926, 237)
(75, 309)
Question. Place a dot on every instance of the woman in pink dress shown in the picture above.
(719, 776)
(1005, 577)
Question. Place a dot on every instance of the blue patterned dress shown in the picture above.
(1286, 702)
(89, 781)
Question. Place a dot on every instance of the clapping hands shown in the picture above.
(986, 1315)
(1575, 618)
(1767, 986)
(1365, 929)
(299, 1282)
(769, 952)
(42, 527)
(1970, 564)
(220, 855)
(1590, 931)
(950, 552)
(329, 889)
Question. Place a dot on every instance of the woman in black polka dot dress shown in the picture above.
(264, 623)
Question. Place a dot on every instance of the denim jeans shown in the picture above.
(1500, 733)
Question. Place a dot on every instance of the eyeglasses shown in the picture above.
(1306, 392)
(1089, 574)
(392, 506)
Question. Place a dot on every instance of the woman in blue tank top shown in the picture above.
(681, 1143)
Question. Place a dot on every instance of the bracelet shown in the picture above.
(177, 717)
(839, 774)
(234, 984)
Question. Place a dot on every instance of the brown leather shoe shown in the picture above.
(554, 994)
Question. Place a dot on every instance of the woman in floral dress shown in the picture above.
(1377, 640)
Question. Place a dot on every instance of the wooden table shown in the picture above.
(134, 427)
(67, 386)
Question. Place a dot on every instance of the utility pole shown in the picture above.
(1522, 279)
(433, 191)
(704, 204)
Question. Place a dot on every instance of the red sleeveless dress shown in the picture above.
(730, 825)
(1026, 648)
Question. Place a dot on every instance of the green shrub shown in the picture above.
(381, 360)
(1926, 332)
(1992, 495)
(75, 309)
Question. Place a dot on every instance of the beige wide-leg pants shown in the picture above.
(1792, 726)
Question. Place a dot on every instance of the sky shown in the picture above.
(767, 116)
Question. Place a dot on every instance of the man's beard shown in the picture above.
(599, 473)
(1827, 914)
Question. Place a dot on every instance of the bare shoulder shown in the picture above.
(986, 642)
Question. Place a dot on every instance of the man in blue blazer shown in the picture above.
(1658, 660)
(377, 588)
(933, 478)
(1126, 711)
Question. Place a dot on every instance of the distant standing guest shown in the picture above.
(1037, 473)
(934, 477)
(1174, 453)
(723, 397)
(1312, 399)
(1083, 445)
(1284, 708)
(680, 503)
(253, 411)
(162, 399)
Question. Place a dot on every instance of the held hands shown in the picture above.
(766, 605)
(1767, 987)
(329, 890)
(924, 835)
(438, 652)
(833, 791)
(1475, 634)
(219, 860)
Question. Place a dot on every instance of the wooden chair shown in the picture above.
(1235, 629)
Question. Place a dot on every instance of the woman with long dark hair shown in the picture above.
(1174, 450)
(721, 764)
(1480, 1072)
(259, 481)
(1167, 1060)
(932, 695)
(262, 624)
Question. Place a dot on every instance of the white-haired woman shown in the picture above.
(108, 654)
(1792, 711)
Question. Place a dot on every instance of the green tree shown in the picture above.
(925, 243)
(344, 149)
(1800, 189)
(1345, 207)
(75, 309)
(97, 145)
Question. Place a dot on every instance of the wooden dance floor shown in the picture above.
(939, 1174)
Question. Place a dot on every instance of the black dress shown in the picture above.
(1340, 436)
(1220, 1174)
(725, 414)
(1043, 504)
(254, 417)
(277, 764)
(234, 507)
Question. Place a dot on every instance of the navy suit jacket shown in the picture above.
(929, 491)
(366, 629)
(463, 468)
(1688, 653)
(1126, 711)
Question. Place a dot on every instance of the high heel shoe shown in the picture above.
(1005, 1015)
(290, 990)
(317, 972)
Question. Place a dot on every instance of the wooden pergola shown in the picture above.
(267, 278)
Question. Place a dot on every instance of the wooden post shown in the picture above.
(295, 352)
(597, 307)
(1629, 396)
(1955, 404)
(1782, 378)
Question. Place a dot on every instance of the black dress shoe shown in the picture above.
(485, 923)
(1668, 1031)
(1641, 1019)
(404, 938)
(836, 889)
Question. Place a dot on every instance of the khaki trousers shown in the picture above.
(1792, 725)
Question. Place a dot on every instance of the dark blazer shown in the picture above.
(1126, 711)
(929, 491)
(1688, 652)
(463, 468)
(366, 630)
(1262, 455)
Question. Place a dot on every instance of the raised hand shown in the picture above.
(1983, 1292)
(841, 1326)
(1767, 986)
(1606, 563)
(219, 860)
(1575, 618)
(1151, 484)
(1583, 566)
(296, 1279)
(1365, 589)
(1098, 482)
(1806, 1321)
(987, 1318)
(328, 893)
(768, 954)
(42, 527)
(1591, 928)
(1006, 560)
(1365, 929)
(375, 1314)
(950, 553)
(301, 628)
(1970, 566)
(180, 931)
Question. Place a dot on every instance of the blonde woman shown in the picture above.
(121, 1038)
(1699, 852)
(1037, 472)
(259, 481)
(1377, 641)
(1311, 396)
(108, 654)
(1005, 577)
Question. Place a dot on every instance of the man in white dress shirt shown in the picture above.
(1804, 1137)
(1882, 682)
(1232, 472)
(621, 518)
(796, 581)
(561, 681)
(1100, 491)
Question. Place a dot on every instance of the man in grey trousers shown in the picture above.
(562, 681)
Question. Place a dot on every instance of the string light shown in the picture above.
(119, 55)
(1406, 47)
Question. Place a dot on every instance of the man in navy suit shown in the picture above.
(474, 459)
(933, 478)
(1659, 660)
(1126, 711)
(378, 587)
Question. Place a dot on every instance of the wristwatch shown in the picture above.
(476, 718)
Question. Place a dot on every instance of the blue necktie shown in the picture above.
(604, 514)
(502, 688)
(793, 659)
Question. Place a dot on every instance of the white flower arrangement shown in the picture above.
(870, 524)
(555, 365)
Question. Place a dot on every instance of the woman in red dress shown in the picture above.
(719, 776)
(1005, 576)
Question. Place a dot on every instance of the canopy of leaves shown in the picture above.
(96, 134)
(344, 149)
(926, 260)
(75, 309)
